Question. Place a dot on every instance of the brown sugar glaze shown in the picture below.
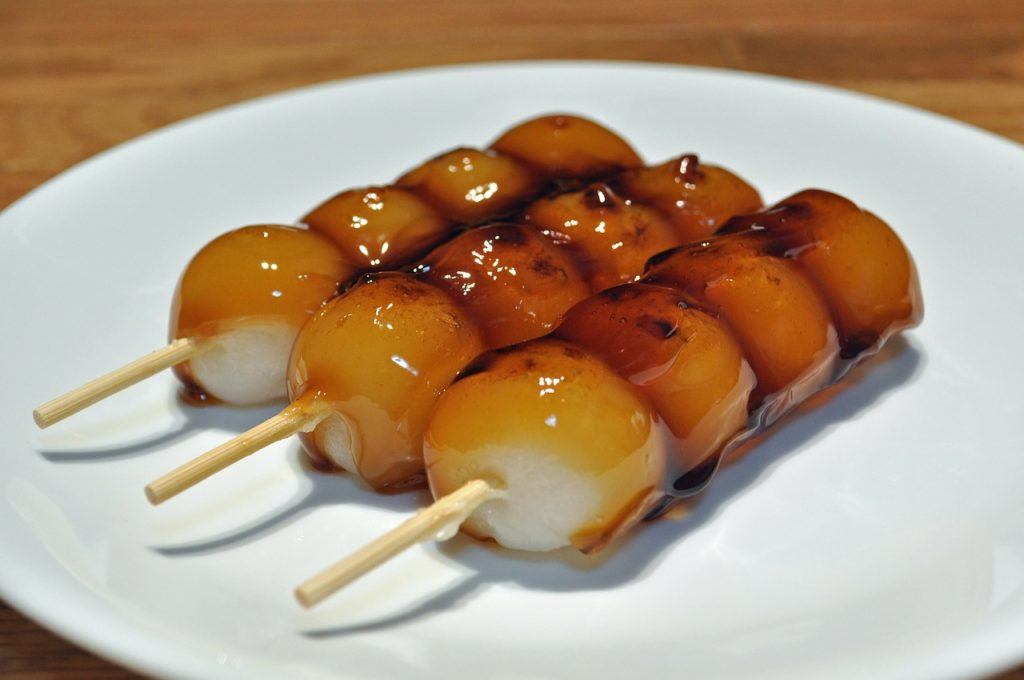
(862, 272)
(379, 227)
(411, 339)
(831, 238)
(687, 363)
(250, 275)
(726, 335)
(610, 237)
(695, 197)
(515, 282)
(553, 398)
(372, 229)
(567, 147)
(385, 227)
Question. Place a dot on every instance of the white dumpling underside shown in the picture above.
(246, 365)
(545, 501)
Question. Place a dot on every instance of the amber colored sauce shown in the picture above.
(685, 361)
(507, 283)
(379, 356)
(379, 227)
(772, 307)
(723, 336)
(550, 398)
(257, 273)
(471, 186)
(695, 197)
(610, 237)
(191, 392)
(514, 283)
(856, 260)
(861, 272)
(562, 146)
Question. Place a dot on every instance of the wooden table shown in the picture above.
(79, 77)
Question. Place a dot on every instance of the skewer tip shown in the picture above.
(151, 495)
(86, 395)
(41, 421)
(305, 599)
(437, 522)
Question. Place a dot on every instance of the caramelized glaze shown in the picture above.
(687, 363)
(254, 274)
(772, 307)
(563, 146)
(722, 337)
(514, 283)
(379, 227)
(258, 271)
(383, 227)
(551, 400)
(610, 237)
(471, 186)
(379, 356)
(856, 259)
(697, 198)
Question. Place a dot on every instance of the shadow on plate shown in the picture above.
(641, 551)
(187, 421)
(318, 489)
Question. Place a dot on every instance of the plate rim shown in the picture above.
(128, 648)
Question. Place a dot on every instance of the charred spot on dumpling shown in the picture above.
(542, 265)
(639, 229)
(343, 286)
(399, 283)
(736, 224)
(573, 352)
(658, 327)
(624, 292)
(657, 259)
(478, 365)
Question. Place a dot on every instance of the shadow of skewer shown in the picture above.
(317, 490)
(565, 570)
(189, 419)
(640, 551)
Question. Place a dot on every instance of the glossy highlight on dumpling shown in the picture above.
(577, 452)
(248, 292)
(375, 360)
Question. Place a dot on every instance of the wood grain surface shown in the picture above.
(79, 77)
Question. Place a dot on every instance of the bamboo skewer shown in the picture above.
(430, 524)
(286, 423)
(93, 391)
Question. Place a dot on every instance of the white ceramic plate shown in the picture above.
(878, 536)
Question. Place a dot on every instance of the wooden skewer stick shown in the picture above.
(286, 423)
(88, 394)
(429, 524)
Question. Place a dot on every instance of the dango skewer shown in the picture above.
(367, 368)
(236, 310)
(772, 290)
(371, 229)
